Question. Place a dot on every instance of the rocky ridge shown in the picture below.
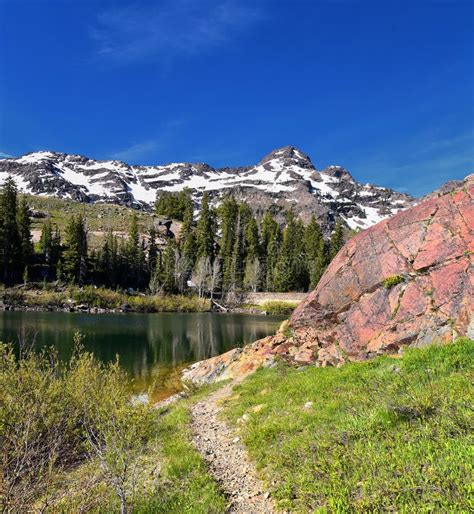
(406, 281)
(284, 178)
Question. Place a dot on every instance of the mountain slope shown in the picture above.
(285, 177)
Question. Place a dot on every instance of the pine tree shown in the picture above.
(156, 279)
(50, 246)
(10, 244)
(169, 267)
(300, 264)
(252, 240)
(205, 230)
(133, 244)
(236, 274)
(74, 264)
(152, 250)
(187, 238)
(270, 249)
(228, 212)
(315, 248)
(173, 205)
(108, 266)
(290, 272)
(23, 218)
(337, 239)
(252, 265)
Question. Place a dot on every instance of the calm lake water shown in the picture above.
(152, 348)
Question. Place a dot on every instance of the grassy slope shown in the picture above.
(100, 216)
(389, 434)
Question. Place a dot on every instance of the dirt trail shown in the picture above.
(226, 457)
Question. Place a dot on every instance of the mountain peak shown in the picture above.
(289, 155)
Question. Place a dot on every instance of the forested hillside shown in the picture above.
(213, 250)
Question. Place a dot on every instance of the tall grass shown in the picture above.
(278, 307)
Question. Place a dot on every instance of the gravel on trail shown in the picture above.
(227, 458)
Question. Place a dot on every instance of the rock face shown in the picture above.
(406, 281)
(284, 178)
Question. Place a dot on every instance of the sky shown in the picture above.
(383, 88)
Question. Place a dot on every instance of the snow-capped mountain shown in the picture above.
(285, 177)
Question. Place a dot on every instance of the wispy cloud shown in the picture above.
(5, 156)
(169, 28)
(137, 151)
(421, 168)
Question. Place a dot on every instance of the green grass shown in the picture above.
(186, 484)
(384, 435)
(278, 307)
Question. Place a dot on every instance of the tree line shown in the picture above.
(226, 249)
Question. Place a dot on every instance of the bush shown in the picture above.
(171, 303)
(54, 417)
(13, 297)
(98, 297)
(278, 307)
(46, 299)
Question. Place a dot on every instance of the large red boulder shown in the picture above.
(407, 280)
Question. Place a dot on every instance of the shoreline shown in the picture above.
(98, 300)
(80, 309)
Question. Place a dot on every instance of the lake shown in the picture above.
(152, 348)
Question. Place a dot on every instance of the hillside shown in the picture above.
(100, 217)
(284, 178)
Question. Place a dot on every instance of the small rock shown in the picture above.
(258, 407)
(236, 439)
(308, 405)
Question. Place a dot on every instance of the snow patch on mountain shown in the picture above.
(283, 178)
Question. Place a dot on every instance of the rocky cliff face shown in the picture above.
(406, 281)
(284, 178)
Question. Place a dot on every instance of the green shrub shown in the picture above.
(54, 418)
(13, 297)
(278, 307)
(46, 299)
(168, 303)
(98, 297)
(390, 282)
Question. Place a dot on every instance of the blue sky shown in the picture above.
(383, 88)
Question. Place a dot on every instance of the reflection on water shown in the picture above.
(152, 348)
